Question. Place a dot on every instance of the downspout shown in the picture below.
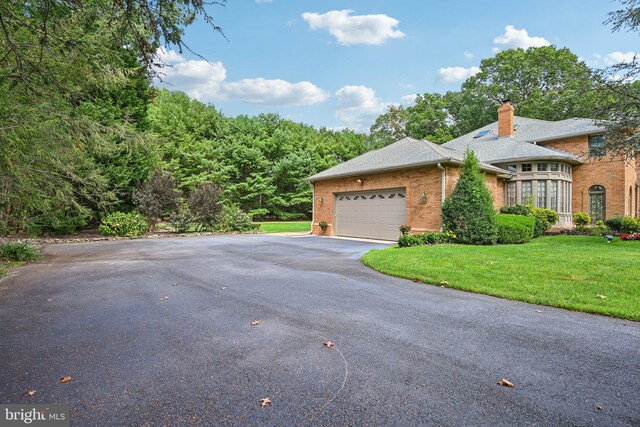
(443, 181)
(313, 205)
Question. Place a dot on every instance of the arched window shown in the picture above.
(597, 203)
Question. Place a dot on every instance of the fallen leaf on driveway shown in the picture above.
(264, 402)
(444, 283)
(599, 408)
(329, 344)
(505, 383)
(164, 298)
(601, 296)
(539, 311)
(175, 284)
(223, 288)
(65, 379)
(416, 280)
(30, 393)
(255, 323)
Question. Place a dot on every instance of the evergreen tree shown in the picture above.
(468, 212)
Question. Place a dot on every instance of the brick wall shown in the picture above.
(613, 173)
(420, 216)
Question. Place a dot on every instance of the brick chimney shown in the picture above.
(505, 119)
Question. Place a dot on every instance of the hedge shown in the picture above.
(515, 228)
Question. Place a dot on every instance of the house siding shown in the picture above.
(613, 173)
(420, 216)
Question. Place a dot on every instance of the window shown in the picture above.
(525, 195)
(553, 192)
(554, 167)
(482, 133)
(569, 170)
(597, 203)
(511, 194)
(542, 194)
(526, 167)
(596, 146)
(512, 168)
(542, 167)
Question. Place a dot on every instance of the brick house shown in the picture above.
(560, 165)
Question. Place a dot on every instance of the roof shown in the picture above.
(403, 154)
(492, 149)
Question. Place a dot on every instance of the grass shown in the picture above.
(285, 226)
(559, 271)
(14, 254)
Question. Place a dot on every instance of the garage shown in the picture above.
(375, 214)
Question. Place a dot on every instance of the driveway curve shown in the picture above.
(159, 332)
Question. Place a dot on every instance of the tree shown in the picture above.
(157, 197)
(621, 83)
(542, 83)
(468, 212)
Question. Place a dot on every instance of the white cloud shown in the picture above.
(514, 38)
(168, 57)
(456, 74)
(264, 1)
(496, 49)
(208, 82)
(618, 57)
(409, 99)
(468, 54)
(358, 107)
(356, 29)
(273, 92)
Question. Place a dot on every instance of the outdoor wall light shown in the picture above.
(361, 180)
(423, 197)
(321, 201)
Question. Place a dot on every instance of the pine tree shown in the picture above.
(468, 212)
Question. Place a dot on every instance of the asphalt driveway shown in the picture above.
(404, 353)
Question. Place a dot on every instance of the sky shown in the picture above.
(340, 64)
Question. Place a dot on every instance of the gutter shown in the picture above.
(485, 167)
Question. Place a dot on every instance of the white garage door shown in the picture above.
(371, 214)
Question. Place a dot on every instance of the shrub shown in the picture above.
(615, 223)
(19, 251)
(123, 224)
(323, 225)
(630, 225)
(157, 196)
(181, 218)
(600, 229)
(58, 222)
(468, 212)
(515, 228)
(204, 204)
(405, 229)
(544, 220)
(231, 218)
(431, 238)
(517, 210)
(581, 219)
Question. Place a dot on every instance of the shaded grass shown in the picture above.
(558, 271)
(285, 226)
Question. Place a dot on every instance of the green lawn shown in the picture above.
(6, 265)
(285, 226)
(559, 271)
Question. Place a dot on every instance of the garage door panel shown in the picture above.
(371, 214)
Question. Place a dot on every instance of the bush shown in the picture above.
(431, 238)
(157, 196)
(405, 229)
(123, 225)
(323, 225)
(231, 218)
(517, 210)
(515, 228)
(58, 222)
(615, 223)
(600, 229)
(204, 204)
(630, 225)
(544, 219)
(468, 212)
(19, 251)
(181, 218)
(581, 219)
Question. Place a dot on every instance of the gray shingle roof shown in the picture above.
(492, 149)
(405, 153)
